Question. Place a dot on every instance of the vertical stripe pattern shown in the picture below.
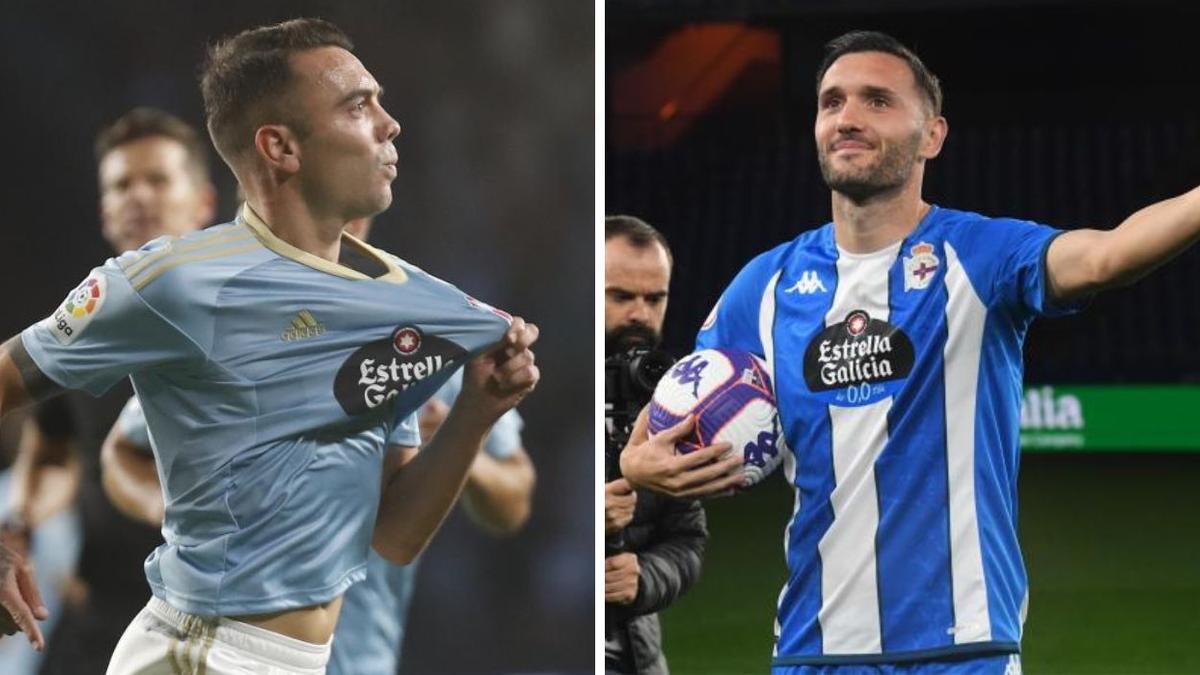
(965, 317)
(850, 614)
(766, 336)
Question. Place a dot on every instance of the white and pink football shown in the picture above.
(730, 394)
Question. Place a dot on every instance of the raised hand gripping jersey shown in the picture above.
(271, 381)
(898, 375)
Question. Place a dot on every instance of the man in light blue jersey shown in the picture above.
(894, 336)
(370, 629)
(280, 366)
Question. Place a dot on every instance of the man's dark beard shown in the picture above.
(891, 173)
(629, 335)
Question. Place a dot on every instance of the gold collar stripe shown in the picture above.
(395, 273)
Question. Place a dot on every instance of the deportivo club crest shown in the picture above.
(921, 267)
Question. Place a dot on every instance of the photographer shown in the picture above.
(653, 543)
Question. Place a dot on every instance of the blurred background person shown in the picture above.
(154, 181)
(654, 544)
(502, 158)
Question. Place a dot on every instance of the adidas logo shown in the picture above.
(303, 326)
(810, 282)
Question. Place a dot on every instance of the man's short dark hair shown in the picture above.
(639, 233)
(874, 41)
(144, 122)
(246, 76)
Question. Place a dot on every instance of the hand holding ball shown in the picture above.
(729, 393)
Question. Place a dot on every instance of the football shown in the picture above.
(730, 394)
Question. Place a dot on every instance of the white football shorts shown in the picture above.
(162, 640)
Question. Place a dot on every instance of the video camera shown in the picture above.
(629, 381)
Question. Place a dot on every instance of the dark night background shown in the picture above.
(1075, 114)
(495, 193)
(1071, 114)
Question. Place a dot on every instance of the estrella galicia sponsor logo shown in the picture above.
(379, 371)
(78, 310)
(858, 360)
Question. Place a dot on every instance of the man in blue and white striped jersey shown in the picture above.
(894, 336)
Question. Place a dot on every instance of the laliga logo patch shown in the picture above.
(712, 316)
(78, 310)
(381, 370)
(920, 268)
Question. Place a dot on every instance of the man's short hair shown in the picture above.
(145, 122)
(639, 233)
(874, 41)
(245, 78)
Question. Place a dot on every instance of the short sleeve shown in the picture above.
(1022, 277)
(505, 437)
(132, 424)
(101, 333)
(733, 321)
(407, 432)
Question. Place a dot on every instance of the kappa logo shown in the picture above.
(809, 283)
(921, 267)
(689, 372)
(304, 325)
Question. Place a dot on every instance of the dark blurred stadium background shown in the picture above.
(1069, 113)
(495, 192)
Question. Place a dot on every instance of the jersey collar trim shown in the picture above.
(259, 227)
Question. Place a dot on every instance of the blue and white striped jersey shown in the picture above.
(270, 380)
(898, 375)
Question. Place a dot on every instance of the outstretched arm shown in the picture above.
(21, 382)
(1082, 262)
(417, 494)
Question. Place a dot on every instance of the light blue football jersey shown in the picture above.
(370, 629)
(898, 376)
(271, 381)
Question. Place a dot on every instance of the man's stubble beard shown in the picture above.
(889, 173)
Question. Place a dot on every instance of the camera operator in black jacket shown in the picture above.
(654, 544)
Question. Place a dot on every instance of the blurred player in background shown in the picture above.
(894, 334)
(370, 630)
(154, 180)
(284, 457)
(656, 543)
